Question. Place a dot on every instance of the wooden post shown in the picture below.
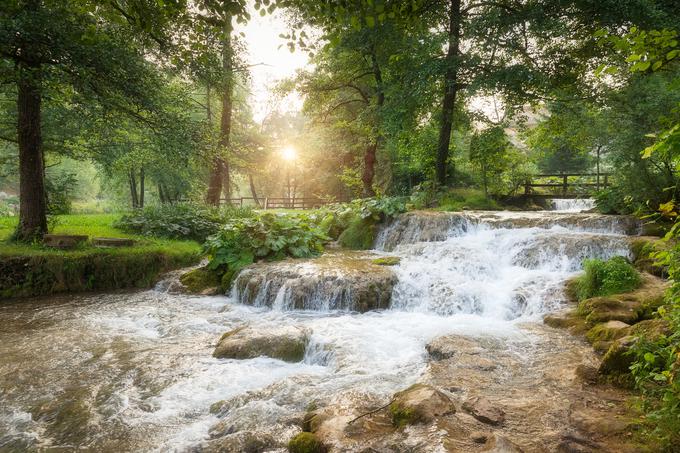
(266, 203)
(527, 187)
(564, 185)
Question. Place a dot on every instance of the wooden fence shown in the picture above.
(277, 203)
(570, 185)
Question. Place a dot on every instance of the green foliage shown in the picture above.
(268, 236)
(60, 190)
(604, 278)
(359, 235)
(180, 221)
(460, 199)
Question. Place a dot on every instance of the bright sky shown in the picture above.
(273, 59)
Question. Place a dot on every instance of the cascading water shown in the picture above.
(573, 205)
(134, 371)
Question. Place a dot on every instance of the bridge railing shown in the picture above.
(560, 184)
(277, 202)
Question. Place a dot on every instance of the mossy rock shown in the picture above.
(387, 261)
(359, 235)
(651, 329)
(617, 360)
(419, 403)
(201, 281)
(284, 343)
(607, 331)
(306, 443)
(571, 289)
(563, 320)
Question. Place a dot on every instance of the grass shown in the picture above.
(92, 225)
(34, 269)
(460, 199)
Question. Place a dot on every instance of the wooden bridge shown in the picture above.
(277, 203)
(566, 185)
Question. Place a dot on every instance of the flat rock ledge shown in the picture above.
(245, 342)
(342, 280)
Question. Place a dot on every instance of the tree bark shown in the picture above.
(220, 178)
(32, 198)
(132, 179)
(371, 151)
(450, 92)
(141, 187)
(252, 189)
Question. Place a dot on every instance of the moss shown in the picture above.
(200, 280)
(605, 278)
(88, 270)
(607, 331)
(227, 279)
(359, 235)
(402, 416)
(306, 443)
(387, 261)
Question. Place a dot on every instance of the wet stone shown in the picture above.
(484, 411)
(287, 343)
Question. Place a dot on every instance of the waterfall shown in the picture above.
(573, 205)
(500, 265)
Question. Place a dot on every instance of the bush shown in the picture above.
(336, 219)
(459, 199)
(242, 241)
(60, 191)
(360, 234)
(180, 221)
(604, 278)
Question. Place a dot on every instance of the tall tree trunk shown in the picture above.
(161, 194)
(141, 187)
(132, 179)
(450, 92)
(371, 150)
(220, 178)
(32, 198)
(252, 189)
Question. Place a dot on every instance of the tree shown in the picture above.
(95, 49)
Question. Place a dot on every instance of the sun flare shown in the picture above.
(289, 154)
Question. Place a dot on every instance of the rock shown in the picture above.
(306, 443)
(284, 343)
(63, 241)
(479, 437)
(447, 346)
(587, 373)
(607, 331)
(387, 261)
(484, 411)
(628, 307)
(616, 360)
(651, 329)
(573, 444)
(419, 403)
(112, 242)
(242, 442)
(334, 281)
(564, 320)
(201, 281)
(500, 444)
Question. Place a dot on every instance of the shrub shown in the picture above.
(459, 199)
(360, 234)
(338, 218)
(241, 241)
(60, 190)
(180, 221)
(604, 278)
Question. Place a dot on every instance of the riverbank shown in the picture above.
(36, 270)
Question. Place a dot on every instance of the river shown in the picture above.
(133, 371)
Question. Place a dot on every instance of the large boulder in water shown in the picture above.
(419, 403)
(286, 343)
(335, 281)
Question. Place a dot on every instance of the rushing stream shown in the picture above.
(133, 371)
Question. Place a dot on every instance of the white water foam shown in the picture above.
(573, 205)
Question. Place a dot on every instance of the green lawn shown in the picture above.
(92, 225)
